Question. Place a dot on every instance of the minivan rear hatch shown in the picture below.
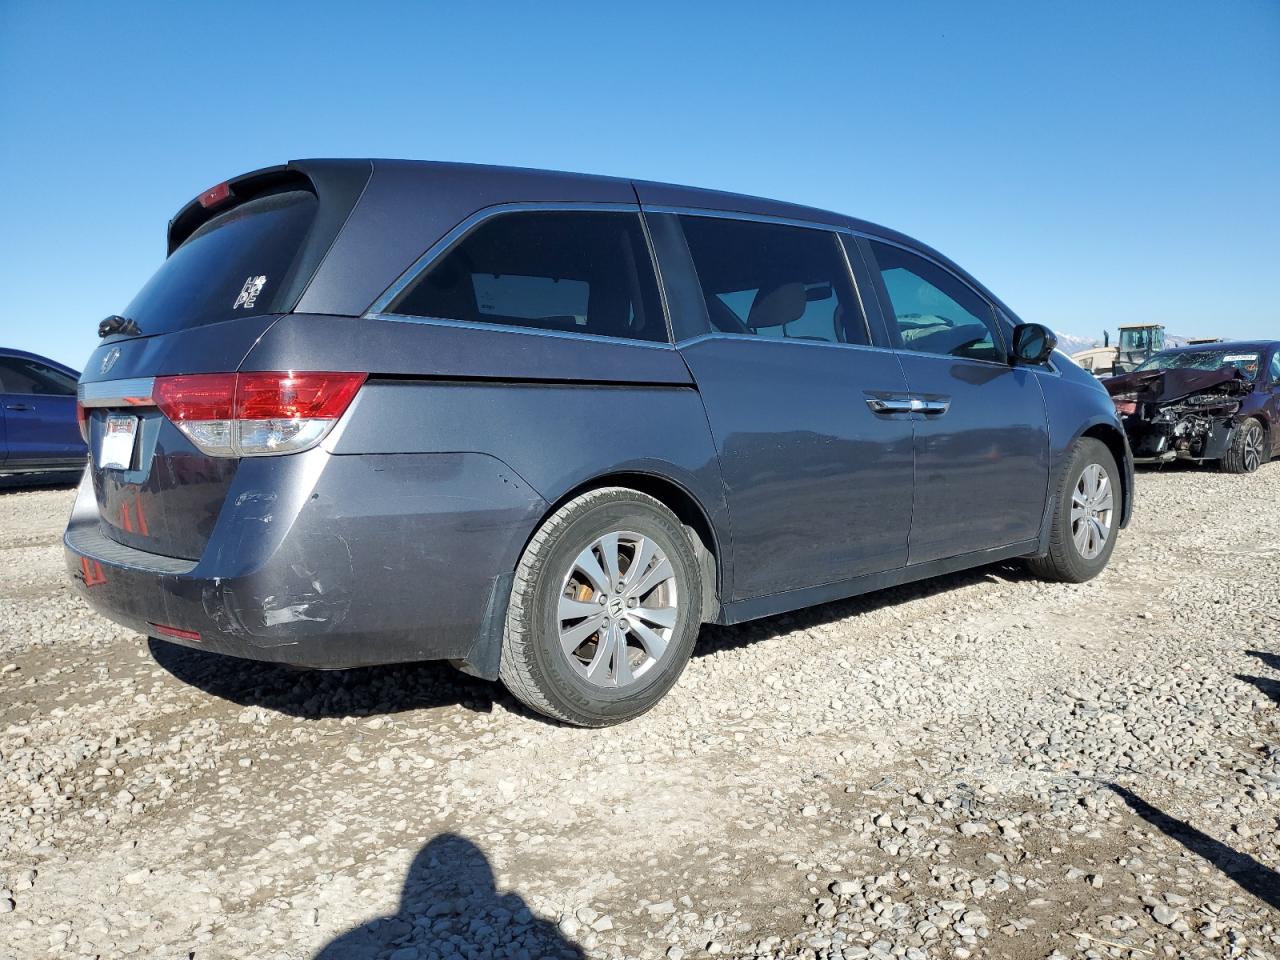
(240, 255)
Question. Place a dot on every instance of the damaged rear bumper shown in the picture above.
(328, 561)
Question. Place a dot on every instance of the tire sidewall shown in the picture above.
(1090, 452)
(575, 693)
(1252, 427)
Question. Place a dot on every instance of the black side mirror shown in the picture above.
(1033, 343)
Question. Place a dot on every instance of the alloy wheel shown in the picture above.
(1252, 447)
(617, 609)
(1092, 510)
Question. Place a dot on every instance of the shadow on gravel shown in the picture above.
(716, 638)
(1270, 687)
(1252, 876)
(1271, 660)
(316, 694)
(450, 907)
(38, 481)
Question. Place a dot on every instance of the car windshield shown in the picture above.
(1246, 361)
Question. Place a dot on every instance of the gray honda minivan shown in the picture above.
(546, 425)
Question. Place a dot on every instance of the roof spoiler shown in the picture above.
(338, 184)
(228, 194)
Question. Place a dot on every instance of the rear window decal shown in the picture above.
(249, 292)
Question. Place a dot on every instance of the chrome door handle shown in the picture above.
(932, 407)
(18, 406)
(891, 403)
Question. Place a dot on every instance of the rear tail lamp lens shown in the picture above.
(256, 414)
(82, 418)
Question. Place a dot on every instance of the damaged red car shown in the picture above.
(1209, 403)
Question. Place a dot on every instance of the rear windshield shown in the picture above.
(1246, 361)
(237, 264)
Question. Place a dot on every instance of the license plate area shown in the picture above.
(119, 441)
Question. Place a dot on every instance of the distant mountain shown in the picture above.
(1069, 343)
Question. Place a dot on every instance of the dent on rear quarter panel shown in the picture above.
(402, 546)
(558, 437)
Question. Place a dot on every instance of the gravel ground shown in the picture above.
(980, 766)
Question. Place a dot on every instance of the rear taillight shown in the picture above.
(256, 414)
(82, 418)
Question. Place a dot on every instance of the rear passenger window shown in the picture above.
(936, 312)
(772, 280)
(572, 271)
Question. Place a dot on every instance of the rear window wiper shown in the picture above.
(118, 324)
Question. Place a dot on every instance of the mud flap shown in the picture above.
(486, 653)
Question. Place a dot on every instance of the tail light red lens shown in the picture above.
(266, 396)
(256, 414)
(201, 396)
(82, 418)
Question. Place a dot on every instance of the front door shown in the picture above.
(818, 483)
(39, 412)
(981, 437)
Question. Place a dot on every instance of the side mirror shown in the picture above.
(1033, 343)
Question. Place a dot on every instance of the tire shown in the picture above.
(1248, 449)
(595, 681)
(1069, 561)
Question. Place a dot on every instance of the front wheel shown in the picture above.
(604, 609)
(1086, 516)
(1246, 452)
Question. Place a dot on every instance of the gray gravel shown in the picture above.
(983, 766)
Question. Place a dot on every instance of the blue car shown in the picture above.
(547, 425)
(38, 428)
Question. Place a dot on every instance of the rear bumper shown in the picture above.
(327, 561)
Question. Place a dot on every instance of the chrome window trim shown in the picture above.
(796, 341)
(513, 328)
(750, 217)
(465, 226)
(133, 392)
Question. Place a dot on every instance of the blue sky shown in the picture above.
(1093, 163)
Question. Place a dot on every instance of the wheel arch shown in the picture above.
(688, 509)
(1115, 441)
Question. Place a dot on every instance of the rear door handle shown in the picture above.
(18, 406)
(932, 406)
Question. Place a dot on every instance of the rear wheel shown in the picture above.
(1247, 449)
(1086, 516)
(604, 609)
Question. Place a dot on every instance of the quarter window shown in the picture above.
(935, 312)
(1275, 367)
(773, 280)
(572, 271)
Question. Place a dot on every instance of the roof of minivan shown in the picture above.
(652, 192)
(378, 242)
